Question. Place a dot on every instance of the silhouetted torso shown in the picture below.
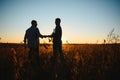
(32, 35)
(57, 35)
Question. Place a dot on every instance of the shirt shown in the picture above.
(32, 36)
(57, 35)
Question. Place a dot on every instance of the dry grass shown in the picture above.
(82, 62)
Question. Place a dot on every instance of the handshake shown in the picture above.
(44, 36)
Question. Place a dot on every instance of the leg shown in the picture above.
(62, 63)
(30, 53)
(54, 54)
(54, 60)
(60, 51)
(37, 55)
(34, 55)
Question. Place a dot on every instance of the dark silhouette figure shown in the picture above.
(31, 39)
(57, 42)
(57, 49)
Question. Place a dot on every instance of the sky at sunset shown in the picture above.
(82, 21)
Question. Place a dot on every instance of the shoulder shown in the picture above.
(36, 29)
(28, 29)
(58, 28)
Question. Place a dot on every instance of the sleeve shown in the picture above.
(39, 34)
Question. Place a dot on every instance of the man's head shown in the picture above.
(57, 21)
(34, 23)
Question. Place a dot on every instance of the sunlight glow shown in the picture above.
(64, 40)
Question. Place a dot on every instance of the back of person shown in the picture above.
(33, 37)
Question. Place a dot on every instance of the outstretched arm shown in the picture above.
(48, 35)
(39, 34)
(44, 36)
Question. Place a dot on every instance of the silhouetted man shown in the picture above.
(57, 42)
(32, 39)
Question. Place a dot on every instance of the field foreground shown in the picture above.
(82, 62)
